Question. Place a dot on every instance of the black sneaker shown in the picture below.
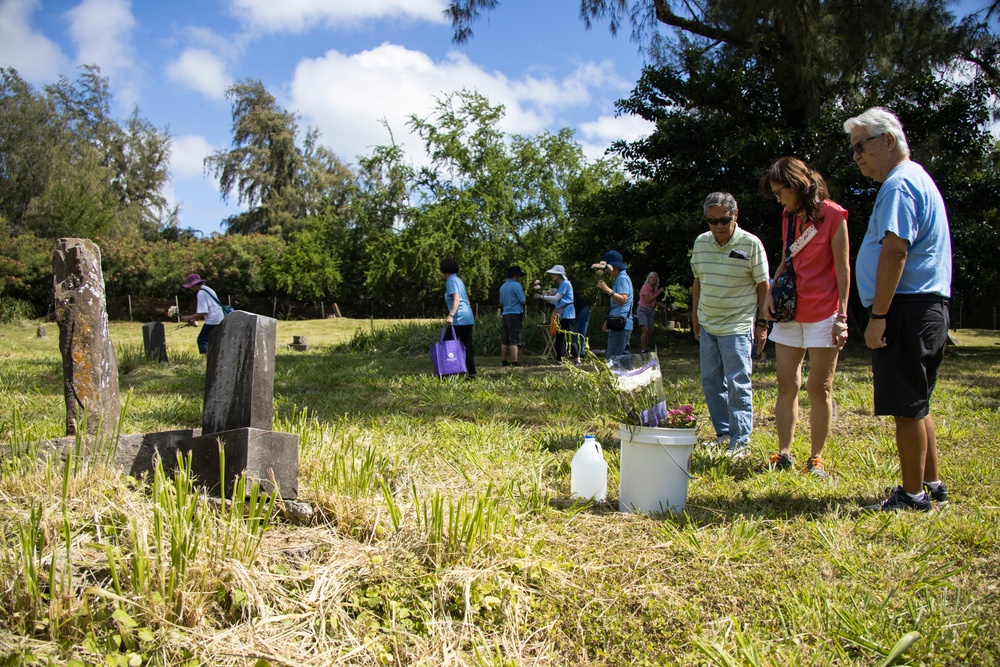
(938, 495)
(505, 363)
(898, 500)
(779, 462)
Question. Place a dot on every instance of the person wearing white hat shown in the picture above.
(562, 300)
(208, 308)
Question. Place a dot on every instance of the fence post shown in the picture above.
(177, 309)
(130, 310)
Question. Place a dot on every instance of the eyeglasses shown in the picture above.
(859, 148)
(719, 221)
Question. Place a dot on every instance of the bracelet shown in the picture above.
(762, 323)
(842, 318)
(877, 317)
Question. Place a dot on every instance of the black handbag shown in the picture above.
(616, 323)
(783, 293)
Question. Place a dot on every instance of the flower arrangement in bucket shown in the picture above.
(630, 387)
(656, 439)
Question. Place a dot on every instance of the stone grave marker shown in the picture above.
(90, 369)
(239, 410)
(154, 340)
(40, 332)
(299, 344)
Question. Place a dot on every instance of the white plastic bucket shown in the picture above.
(655, 468)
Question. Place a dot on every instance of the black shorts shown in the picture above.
(905, 371)
(512, 329)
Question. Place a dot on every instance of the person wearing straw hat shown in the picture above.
(512, 302)
(207, 307)
(562, 300)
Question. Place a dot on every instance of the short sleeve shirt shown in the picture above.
(512, 297)
(910, 206)
(206, 304)
(623, 285)
(728, 277)
(463, 315)
(564, 302)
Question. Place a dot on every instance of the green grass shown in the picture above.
(443, 531)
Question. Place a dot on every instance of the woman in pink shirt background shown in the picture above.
(648, 295)
(822, 280)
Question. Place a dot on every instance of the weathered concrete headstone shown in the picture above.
(239, 376)
(299, 343)
(40, 332)
(154, 340)
(90, 369)
(239, 395)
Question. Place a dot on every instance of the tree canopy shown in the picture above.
(67, 166)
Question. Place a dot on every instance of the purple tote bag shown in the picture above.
(448, 356)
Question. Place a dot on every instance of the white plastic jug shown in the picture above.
(589, 471)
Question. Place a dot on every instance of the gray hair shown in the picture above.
(723, 199)
(653, 273)
(878, 121)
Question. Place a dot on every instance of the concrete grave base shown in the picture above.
(134, 454)
(261, 454)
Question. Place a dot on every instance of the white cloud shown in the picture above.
(346, 96)
(301, 15)
(201, 71)
(102, 32)
(197, 193)
(36, 58)
(597, 135)
(187, 155)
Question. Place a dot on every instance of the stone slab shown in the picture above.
(154, 340)
(263, 455)
(134, 455)
(239, 375)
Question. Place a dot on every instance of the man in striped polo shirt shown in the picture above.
(730, 284)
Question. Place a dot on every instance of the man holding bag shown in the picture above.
(730, 285)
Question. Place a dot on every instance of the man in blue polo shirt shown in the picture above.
(903, 271)
(512, 302)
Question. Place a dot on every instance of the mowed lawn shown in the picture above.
(443, 532)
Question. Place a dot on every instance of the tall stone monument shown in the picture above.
(90, 369)
(239, 411)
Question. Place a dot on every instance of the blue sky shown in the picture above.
(342, 65)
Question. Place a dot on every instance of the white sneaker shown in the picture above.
(717, 442)
(738, 451)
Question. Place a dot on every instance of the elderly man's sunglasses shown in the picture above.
(719, 221)
(859, 148)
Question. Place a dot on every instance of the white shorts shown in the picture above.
(804, 335)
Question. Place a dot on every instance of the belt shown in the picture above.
(920, 298)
